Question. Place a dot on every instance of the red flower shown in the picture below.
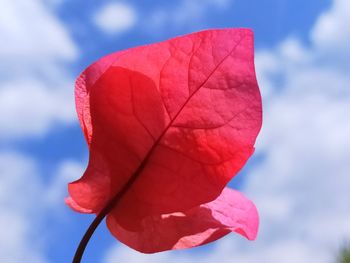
(168, 125)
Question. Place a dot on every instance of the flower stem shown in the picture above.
(89, 232)
(110, 205)
(85, 240)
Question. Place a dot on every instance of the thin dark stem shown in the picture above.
(85, 240)
(111, 204)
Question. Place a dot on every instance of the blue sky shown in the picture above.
(298, 177)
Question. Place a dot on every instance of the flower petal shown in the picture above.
(230, 212)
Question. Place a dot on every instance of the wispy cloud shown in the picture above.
(20, 206)
(115, 18)
(332, 32)
(27, 202)
(36, 91)
(186, 13)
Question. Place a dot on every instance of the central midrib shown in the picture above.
(113, 202)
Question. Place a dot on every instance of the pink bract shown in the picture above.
(181, 117)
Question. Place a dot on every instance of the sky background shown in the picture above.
(299, 177)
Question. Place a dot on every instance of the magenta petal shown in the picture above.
(230, 212)
(185, 111)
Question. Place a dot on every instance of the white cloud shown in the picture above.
(26, 202)
(332, 31)
(188, 10)
(301, 187)
(30, 107)
(36, 92)
(116, 18)
(20, 205)
(186, 13)
(227, 251)
(30, 31)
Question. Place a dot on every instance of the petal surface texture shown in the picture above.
(181, 118)
(230, 212)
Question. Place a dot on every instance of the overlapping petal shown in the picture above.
(230, 212)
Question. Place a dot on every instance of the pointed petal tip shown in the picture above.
(252, 229)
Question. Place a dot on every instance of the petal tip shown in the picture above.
(75, 207)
